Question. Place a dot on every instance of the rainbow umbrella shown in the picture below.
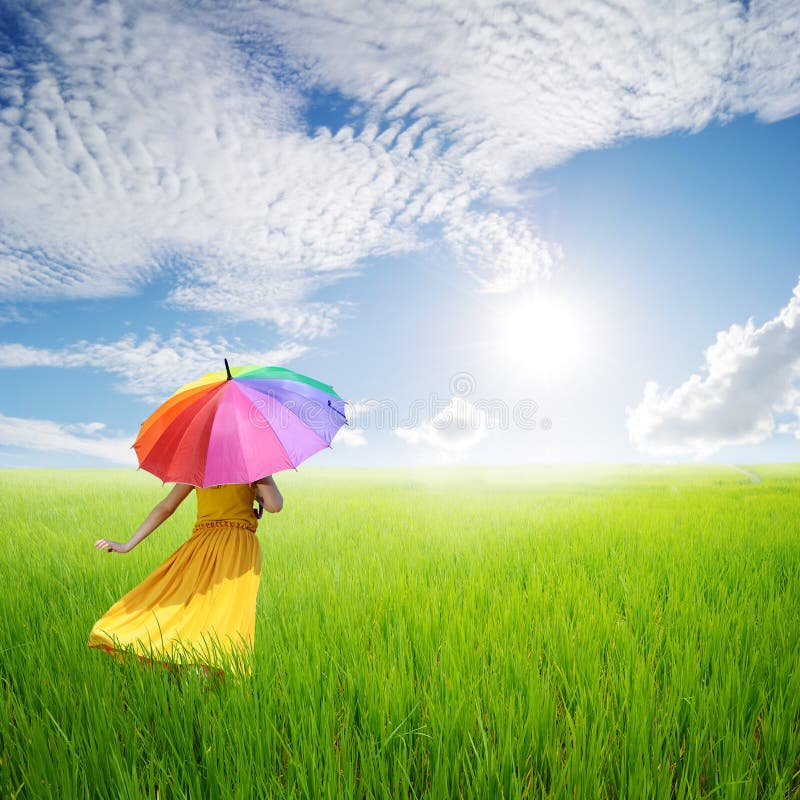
(238, 425)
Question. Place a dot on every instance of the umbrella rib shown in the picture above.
(173, 456)
(277, 438)
(215, 398)
(292, 411)
(336, 410)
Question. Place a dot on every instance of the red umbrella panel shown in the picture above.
(238, 425)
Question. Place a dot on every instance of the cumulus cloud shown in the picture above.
(360, 409)
(81, 438)
(350, 437)
(151, 368)
(452, 432)
(380, 414)
(748, 378)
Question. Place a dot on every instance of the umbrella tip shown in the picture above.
(227, 369)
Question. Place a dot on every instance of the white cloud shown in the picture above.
(452, 432)
(350, 437)
(517, 86)
(44, 434)
(151, 368)
(500, 251)
(167, 140)
(85, 427)
(360, 408)
(138, 146)
(383, 413)
(748, 378)
(10, 313)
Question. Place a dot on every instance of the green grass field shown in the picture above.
(591, 632)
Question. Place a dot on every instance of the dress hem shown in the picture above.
(120, 654)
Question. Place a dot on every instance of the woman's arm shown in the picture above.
(268, 495)
(163, 510)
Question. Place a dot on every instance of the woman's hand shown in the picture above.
(112, 547)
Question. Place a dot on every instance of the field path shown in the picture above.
(752, 475)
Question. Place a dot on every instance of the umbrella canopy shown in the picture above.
(238, 425)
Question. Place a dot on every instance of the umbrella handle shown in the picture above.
(258, 511)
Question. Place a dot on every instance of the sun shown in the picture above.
(542, 333)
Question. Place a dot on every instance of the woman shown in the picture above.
(203, 597)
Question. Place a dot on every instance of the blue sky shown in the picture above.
(433, 221)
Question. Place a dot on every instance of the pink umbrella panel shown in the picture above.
(247, 423)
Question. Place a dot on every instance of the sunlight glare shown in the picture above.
(543, 333)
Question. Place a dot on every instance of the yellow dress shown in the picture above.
(201, 601)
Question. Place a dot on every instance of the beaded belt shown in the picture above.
(227, 523)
